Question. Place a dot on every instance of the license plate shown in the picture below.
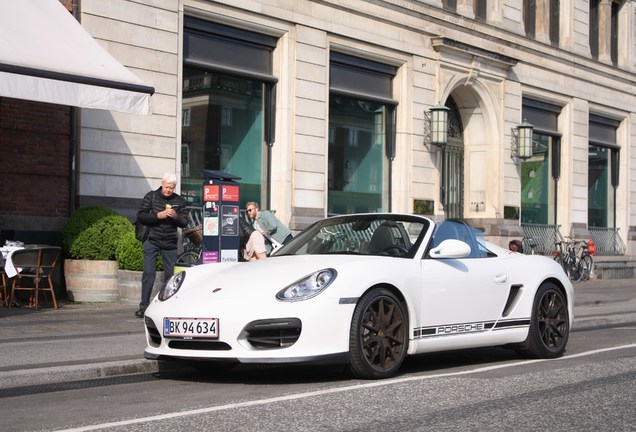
(190, 328)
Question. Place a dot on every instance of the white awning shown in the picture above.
(47, 56)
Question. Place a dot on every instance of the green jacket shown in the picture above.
(274, 227)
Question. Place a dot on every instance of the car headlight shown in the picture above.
(172, 286)
(309, 286)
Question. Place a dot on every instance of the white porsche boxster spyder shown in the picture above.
(366, 290)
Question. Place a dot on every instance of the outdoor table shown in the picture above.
(7, 251)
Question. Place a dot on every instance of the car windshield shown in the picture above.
(368, 234)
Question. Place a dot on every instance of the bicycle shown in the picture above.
(575, 258)
(565, 255)
(192, 247)
(588, 249)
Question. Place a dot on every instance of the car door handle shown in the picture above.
(501, 278)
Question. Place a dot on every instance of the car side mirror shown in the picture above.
(450, 249)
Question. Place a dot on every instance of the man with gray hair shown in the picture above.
(162, 211)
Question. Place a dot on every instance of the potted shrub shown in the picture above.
(130, 260)
(89, 239)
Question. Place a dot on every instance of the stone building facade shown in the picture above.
(322, 107)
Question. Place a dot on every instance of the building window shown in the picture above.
(480, 8)
(530, 17)
(603, 157)
(555, 20)
(361, 133)
(538, 187)
(227, 89)
(594, 27)
(540, 173)
(450, 5)
(542, 18)
(604, 29)
(614, 32)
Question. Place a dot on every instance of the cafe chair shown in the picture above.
(3, 279)
(34, 266)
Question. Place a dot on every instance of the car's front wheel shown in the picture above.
(379, 335)
(549, 324)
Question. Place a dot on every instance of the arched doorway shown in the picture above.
(452, 187)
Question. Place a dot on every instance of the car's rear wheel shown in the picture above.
(379, 335)
(549, 324)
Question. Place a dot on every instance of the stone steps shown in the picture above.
(614, 267)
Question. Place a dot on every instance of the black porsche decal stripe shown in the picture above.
(469, 327)
(513, 323)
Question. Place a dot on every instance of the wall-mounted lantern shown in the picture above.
(522, 141)
(439, 125)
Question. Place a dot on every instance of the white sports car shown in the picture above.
(366, 290)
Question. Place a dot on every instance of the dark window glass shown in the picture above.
(480, 8)
(450, 5)
(361, 133)
(356, 158)
(600, 193)
(540, 173)
(555, 17)
(614, 33)
(530, 17)
(602, 171)
(222, 130)
(538, 187)
(226, 107)
(594, 27)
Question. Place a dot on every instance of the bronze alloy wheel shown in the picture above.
(379, 335)
(549, 324)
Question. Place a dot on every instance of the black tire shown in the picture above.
(576, 270)
(587, 265)
(549, 324)
(378, 338)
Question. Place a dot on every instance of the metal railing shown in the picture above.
(607, 241)
(540, 238)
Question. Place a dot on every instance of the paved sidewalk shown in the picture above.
(94, 340)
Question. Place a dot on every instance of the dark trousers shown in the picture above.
(151, 252)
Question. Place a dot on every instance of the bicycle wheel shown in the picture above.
(587, 265)
(575, 268)
(189, 257)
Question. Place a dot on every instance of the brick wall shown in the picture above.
(35, 149)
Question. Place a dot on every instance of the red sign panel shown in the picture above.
(230, 193)
(210, 192)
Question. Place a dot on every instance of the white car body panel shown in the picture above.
(451, 303)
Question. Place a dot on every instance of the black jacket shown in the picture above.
(245, 231)
(163, 232)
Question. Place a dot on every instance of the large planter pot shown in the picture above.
(91, 281)
(129, 285)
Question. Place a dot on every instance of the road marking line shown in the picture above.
(386, 382)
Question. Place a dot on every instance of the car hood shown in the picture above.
(264, 278)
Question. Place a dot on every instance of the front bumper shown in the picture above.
(314, 331)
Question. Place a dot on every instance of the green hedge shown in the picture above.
(79, 221)
(130, 253)
(99, 240)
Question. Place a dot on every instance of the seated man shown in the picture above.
(252, 242)
(268, 224)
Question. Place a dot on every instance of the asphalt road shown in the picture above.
(81, 367)
(593, 387)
